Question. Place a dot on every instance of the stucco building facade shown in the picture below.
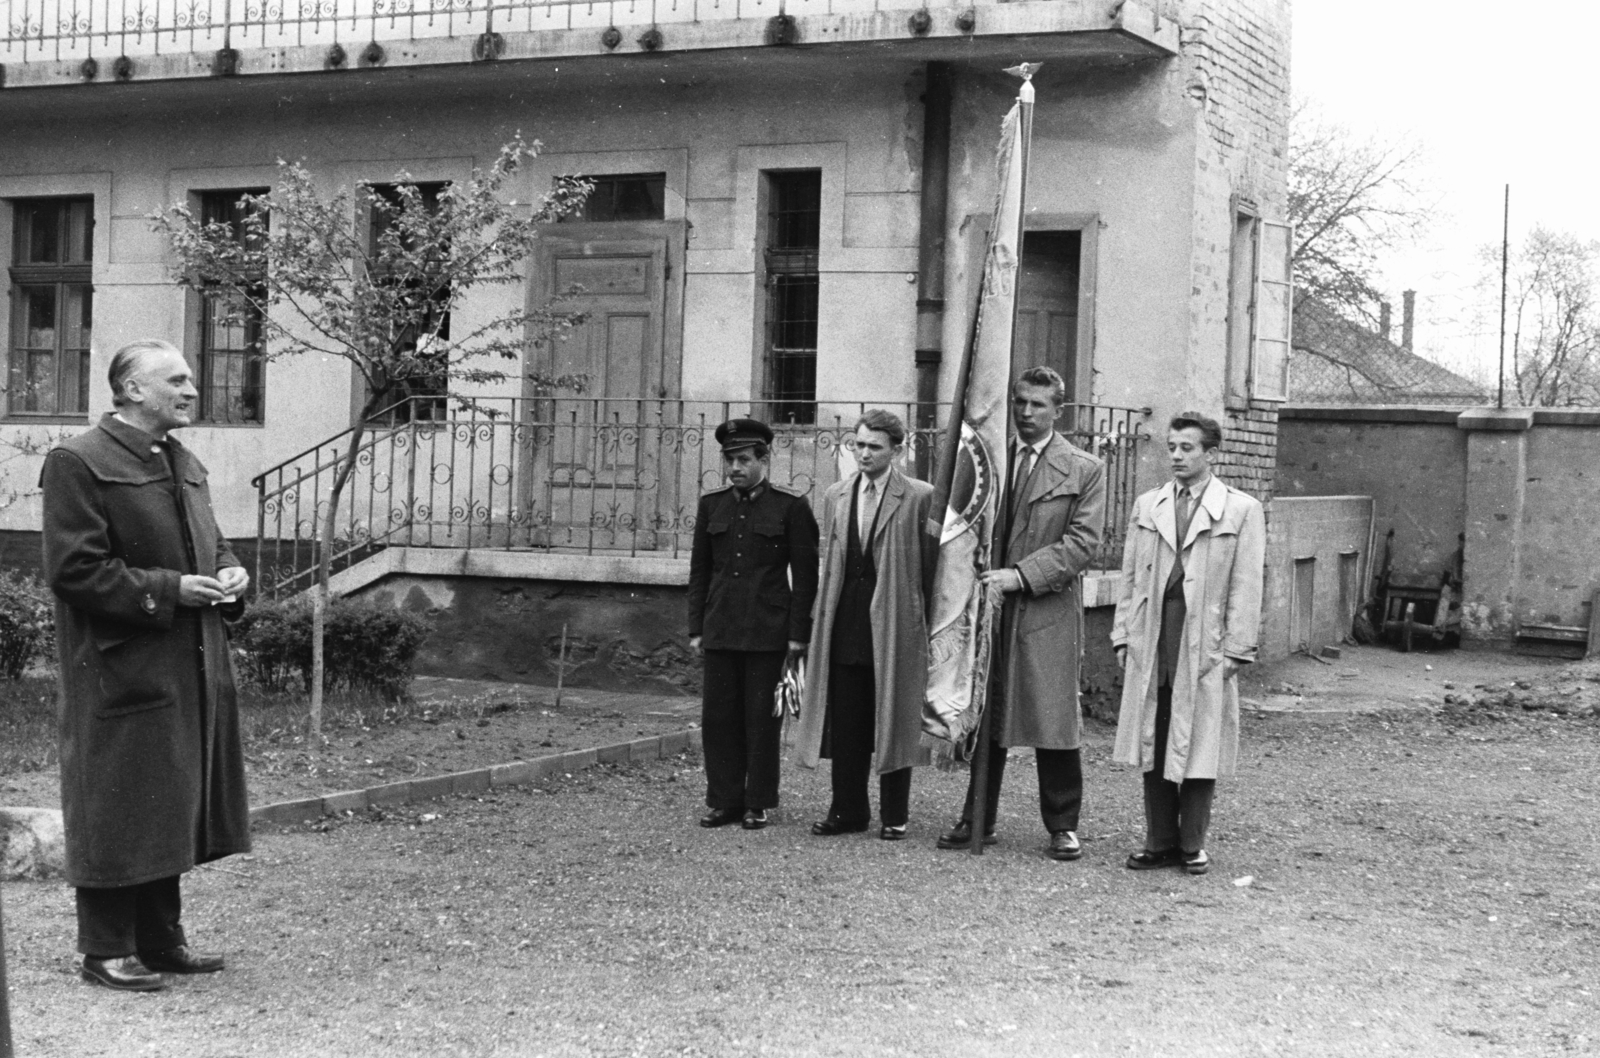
(1155, 272)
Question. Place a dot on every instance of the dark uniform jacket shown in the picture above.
(753, 572)
(152, 772)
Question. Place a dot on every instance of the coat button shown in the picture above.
(148, 605)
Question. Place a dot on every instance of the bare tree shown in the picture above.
(1552, 317)
(1352, 199)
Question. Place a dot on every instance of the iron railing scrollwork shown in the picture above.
(583, 476)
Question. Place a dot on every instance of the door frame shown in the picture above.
(668, 385)
(1088, 226)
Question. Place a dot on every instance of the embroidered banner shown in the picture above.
(961, 613)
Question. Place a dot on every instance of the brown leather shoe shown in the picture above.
(1145, 860)
(960, 836)
(721, 817)
(1064, 845)
(181, 960)
(126, 974)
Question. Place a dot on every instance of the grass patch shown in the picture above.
(29, 737)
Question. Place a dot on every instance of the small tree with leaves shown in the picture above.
(371, 276)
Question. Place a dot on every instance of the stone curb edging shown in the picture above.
(476, 781)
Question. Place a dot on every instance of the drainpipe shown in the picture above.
(931, 254)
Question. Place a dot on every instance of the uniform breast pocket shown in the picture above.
(769, 537)
(132, 677)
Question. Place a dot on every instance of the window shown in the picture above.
(420, 395)
(626, 196)
(1259, 310)
(793, 230)
(52, 307)
(230, 369)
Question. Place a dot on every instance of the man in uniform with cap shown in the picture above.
(752, 580)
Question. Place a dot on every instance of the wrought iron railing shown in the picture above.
(52, 30)
(583, 476)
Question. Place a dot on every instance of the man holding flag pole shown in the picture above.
(1021, 523)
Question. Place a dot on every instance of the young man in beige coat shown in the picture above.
(1187, 619)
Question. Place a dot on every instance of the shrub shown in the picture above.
(367, 647)
(27, 622)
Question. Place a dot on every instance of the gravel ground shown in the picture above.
(1391, 883)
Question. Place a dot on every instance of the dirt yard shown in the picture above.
(1388, 880)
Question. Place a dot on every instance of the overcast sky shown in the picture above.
(1496, 93)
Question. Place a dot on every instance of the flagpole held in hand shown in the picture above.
(980, 760)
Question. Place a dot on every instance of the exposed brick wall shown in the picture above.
(1248, 457)
(1237, 55)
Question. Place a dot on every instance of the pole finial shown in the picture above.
(1024, 70)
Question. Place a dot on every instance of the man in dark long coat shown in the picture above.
(1049, 532)
(752, 580)
(152, 771)
(867, 669)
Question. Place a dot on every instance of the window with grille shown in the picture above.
(420, 394)
(230, 370)
(794, 212)
(625, 196)
(52, 307)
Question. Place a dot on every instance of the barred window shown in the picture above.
(794, 212)
(231, 367)
(52, 307)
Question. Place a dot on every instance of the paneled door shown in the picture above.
(598, 442)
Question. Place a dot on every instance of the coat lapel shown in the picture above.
(894, 489)
(1048, 473)
(1208, 509)
(1166, 515)
(841, 510)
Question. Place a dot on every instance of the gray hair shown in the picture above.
(126, 362)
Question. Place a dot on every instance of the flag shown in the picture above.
(962, 614)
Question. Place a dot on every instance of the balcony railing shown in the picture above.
(584, 476)
(53, 30)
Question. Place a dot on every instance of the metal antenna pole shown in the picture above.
(1505, 257)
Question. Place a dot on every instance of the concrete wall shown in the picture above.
(1412, 463)
(1317, 563)
(1514, 489)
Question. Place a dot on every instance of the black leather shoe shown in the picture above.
(832, 827)
(181, 960)
(960, 836)
(1196, 862)
(1145, 860)
(888, 833)
(1064, 845)
(721, 817)
(126, 974)
(755, 819)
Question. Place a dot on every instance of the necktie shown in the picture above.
(1019, 484)
(866, 509)
(1184, 512)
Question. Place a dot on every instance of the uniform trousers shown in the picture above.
(851, 735)
(739, 735)
(130, 919)
(1176, 814)
(1060, 787)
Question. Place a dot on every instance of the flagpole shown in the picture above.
(980, 761)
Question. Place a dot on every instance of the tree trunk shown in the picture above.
(320, 594)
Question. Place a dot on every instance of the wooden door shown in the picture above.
(1047, 305)
(596, 451)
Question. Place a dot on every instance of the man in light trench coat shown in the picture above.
(867, 667)
(1187, 619)
(1049, 533)
(152, 771)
